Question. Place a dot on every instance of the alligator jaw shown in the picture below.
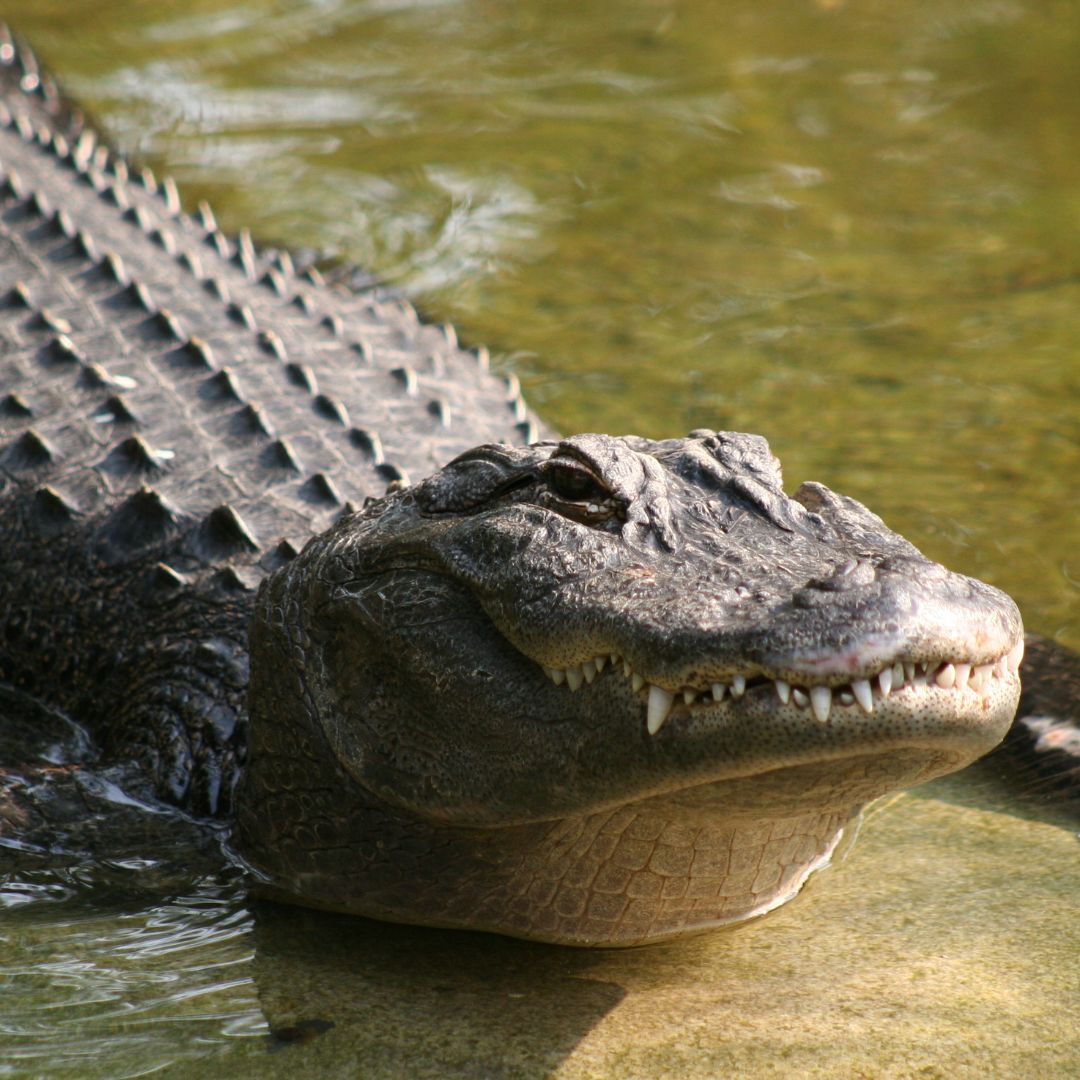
(921, 685)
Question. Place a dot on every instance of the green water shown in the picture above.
(848, 226)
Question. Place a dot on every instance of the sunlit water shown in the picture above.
(851, 228)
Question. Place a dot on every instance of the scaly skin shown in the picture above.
(424, 647)
(598, 691)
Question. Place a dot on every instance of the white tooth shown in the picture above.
(846, 698)
(923, 667)
(636, 682)
(614, 658)
(979, 677)
(738, 686)
(963, 673)
(863, 695)
(627, 670)
(574, 678)
(718, 689)
(821, 702)
(659, 707)
(884, 681)
(556, 675)
(801, 696)
(909, 672)
(946, 677)
(588, 670)
(898, 675)
(1016, 654)
(600, 661)
(783, 691)
(688, 696)
(1001, 668)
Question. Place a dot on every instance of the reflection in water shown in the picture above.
(108, 984)
(848, 227)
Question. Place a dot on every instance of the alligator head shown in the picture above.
(603, 691)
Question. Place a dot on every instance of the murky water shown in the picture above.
(851, 228)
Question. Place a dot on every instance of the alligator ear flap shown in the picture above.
(478, 476)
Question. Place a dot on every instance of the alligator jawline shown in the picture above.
(959, 676)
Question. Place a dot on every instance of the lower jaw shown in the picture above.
(670, 865)
(628, 875)
(614, 880)
(643, 880)
(679, 864)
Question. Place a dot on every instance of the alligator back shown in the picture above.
(179, 412)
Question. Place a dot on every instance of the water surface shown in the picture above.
(851, 228)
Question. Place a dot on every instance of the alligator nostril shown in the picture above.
(852, 574)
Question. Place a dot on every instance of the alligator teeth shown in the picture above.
(946, 677)
(659, 707)
(885, 681)
(963, 674)
(1016, 654)
(821, 702)
(980, 675)
(863, 695)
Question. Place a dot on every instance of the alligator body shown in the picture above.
(594, 691)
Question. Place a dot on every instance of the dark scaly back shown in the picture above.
(179, 412)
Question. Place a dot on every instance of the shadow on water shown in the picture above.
(415, 1002)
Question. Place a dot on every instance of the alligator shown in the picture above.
(318, 571)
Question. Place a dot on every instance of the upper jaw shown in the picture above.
(951, 633)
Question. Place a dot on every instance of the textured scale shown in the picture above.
(366, 363)
(179, 411)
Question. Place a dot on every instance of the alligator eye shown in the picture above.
(575, 485)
